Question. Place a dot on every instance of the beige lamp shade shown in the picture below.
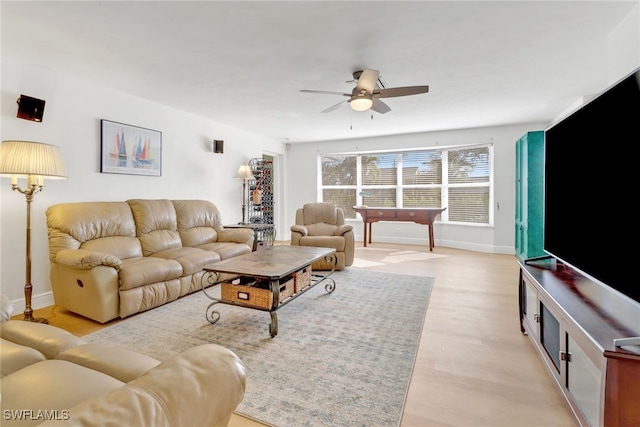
(27, 158)
(244, 172)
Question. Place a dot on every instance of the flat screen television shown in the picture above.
(591, 173)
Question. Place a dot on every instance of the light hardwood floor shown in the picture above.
(474, 368)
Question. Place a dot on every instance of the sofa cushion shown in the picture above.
(136, 272)
(31, 388)
(45, 338)
(72, 225)
(226, 250)
(198, 221)
(156, 225)
(15, 357)
(122, 364)
(191, 259)
(320, 212)
(335, 242)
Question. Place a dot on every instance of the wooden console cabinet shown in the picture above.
(572, 322)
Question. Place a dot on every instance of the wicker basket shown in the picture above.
(287, 289)
(254, 294)
(302, 278)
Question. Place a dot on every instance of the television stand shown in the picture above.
(579, 328)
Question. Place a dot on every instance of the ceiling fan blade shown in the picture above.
(324, 92)
(379, 106)
(335, 107)
(368, 80)
(400, 91)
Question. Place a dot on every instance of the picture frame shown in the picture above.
(128, 149)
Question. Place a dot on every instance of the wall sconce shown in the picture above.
(30, 108)
(218, 145)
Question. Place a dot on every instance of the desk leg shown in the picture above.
(431, 245)
(364, 242)
(370, 224)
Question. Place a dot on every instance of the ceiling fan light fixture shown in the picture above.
(361, 102)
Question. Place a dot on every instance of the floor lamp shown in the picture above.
(36, 162)
(244, 173)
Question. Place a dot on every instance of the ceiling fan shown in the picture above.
(368, 91)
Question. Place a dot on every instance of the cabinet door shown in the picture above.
(583, 380)
(529, 190)
(521, 199)
(531, 309)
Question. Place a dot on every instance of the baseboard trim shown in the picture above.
(37, 301)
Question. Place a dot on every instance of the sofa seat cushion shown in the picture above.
(42, 337)
(226, 250)
(122, 364)
(143, 271)
(31, 388)
(15, 357)
(191, 259)
(336, 242)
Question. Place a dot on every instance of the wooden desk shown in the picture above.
(424, 216)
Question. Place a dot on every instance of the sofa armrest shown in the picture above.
(236, 235)
(200, 387)
(83, 259)
(300, 229)
(345, 228)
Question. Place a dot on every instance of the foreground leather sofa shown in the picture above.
(53, 378)
(115, 259)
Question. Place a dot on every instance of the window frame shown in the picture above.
(444, 186)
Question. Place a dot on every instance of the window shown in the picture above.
(456, 178)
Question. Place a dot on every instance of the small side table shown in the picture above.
(262, 233)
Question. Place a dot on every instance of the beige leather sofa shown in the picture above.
(323, 225)
(115, 259)
(52, 378)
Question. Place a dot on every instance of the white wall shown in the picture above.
(190, 170)
(498, 238)
(624, 56)
(71, 121)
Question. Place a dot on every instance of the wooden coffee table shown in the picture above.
(272, 265)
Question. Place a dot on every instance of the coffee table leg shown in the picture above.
(273, 326)
(211, 314)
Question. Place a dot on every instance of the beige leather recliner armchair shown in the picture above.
(322, 225)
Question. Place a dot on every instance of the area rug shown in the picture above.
(339, 359)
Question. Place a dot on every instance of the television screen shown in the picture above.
(591, 169)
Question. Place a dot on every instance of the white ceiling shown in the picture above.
(243, 63)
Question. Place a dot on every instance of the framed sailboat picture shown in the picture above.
(132, 150)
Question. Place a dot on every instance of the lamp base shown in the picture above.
(29, 318)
